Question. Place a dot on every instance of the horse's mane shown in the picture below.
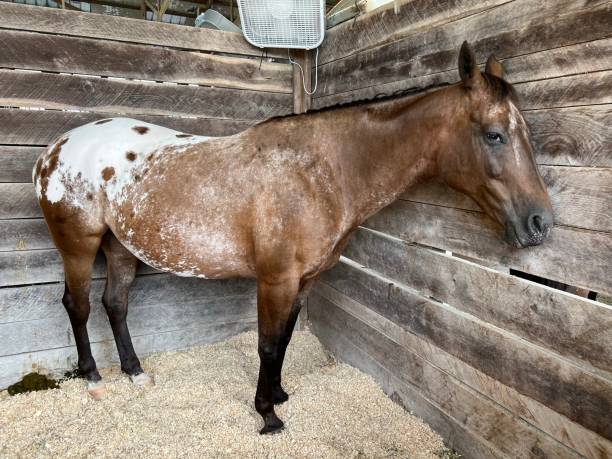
(499, 88)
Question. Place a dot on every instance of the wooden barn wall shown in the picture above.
(423, 300)
(61, 69)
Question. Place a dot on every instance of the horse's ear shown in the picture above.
(494, 67)
(468, 68)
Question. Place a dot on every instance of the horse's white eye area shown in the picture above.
(495, 138)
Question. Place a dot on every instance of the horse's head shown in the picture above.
(491, 157)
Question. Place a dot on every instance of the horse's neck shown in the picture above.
(383, 149)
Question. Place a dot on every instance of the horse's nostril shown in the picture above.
(537, 224)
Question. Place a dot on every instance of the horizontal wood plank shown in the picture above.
(57, 361)
(41, 127)
(41, 266)
(133, 98)
(577, 136)
(24, 233)
(384, 319)
(16, 163)
(143, 319)
(389, 23)
(19, 201)
(34, 18)
(571, 326)
(580, 196)
(58, 53)
(43, 301)
(572, 256)
(575, 59)
(479, 414)
(515, 28)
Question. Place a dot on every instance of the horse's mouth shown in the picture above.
(527, 240)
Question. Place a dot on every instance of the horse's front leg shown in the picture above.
(276, 314)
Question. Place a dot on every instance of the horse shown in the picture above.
(276, 202)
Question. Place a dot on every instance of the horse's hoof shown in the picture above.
(97, 389)
(272, 425)
(142, 379)
(279, 395)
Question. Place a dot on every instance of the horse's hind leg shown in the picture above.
(78, 256)
(121, 271)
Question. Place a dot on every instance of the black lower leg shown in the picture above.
(278, 393)
(117, 314)
(79, 315)
(264, 402)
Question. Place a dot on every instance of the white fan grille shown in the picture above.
(283, 23)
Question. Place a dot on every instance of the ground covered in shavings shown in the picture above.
(202, 406)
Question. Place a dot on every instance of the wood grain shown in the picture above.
(59, 53)
(580, 196)
(134, 98)
(16, 163)
(18, 201)
(479, 414)
(572, 256)
(383, 319)
(24, 233)
(59, 360)
(41, 266)
(576, 328)
(25, 17)
(514, 28)
(386, 24)
(575, 59)
(43, 301)
(145, 319)
(41, 127)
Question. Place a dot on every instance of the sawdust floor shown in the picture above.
(202, 406)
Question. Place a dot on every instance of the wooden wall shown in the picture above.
(423, 301)
(61, 69)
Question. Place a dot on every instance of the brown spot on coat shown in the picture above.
(150, 157)
(53, 158)
(105, 120)
(107, 173)
(184, 135)
(141, 129)
(130, 155)
(89, 196)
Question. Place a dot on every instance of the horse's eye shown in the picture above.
(495, 138)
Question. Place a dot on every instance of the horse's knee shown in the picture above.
(78, 311)
(116, 308)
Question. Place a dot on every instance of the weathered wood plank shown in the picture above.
(41, 127)
(514, 28)
(36, 302)
(386, 24)
(576, 59)
(559, 427)
(40, 266)
(572, 256)
(57, 361)
(18, 201)
(33, 18)
(16, 163)
(574, 391)
(144, 319)
(24, 234)
(59, 53)
(572, 136)
(455, 434)
(580, 196)
(512, 436)
(573, 327)
(133, 98)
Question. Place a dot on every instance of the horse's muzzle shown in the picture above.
(531, 231)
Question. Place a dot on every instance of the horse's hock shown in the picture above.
(426, 299)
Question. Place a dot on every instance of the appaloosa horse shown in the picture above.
(276, 202)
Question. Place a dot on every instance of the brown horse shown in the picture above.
(276, 202)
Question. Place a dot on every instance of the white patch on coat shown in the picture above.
(92, 148)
